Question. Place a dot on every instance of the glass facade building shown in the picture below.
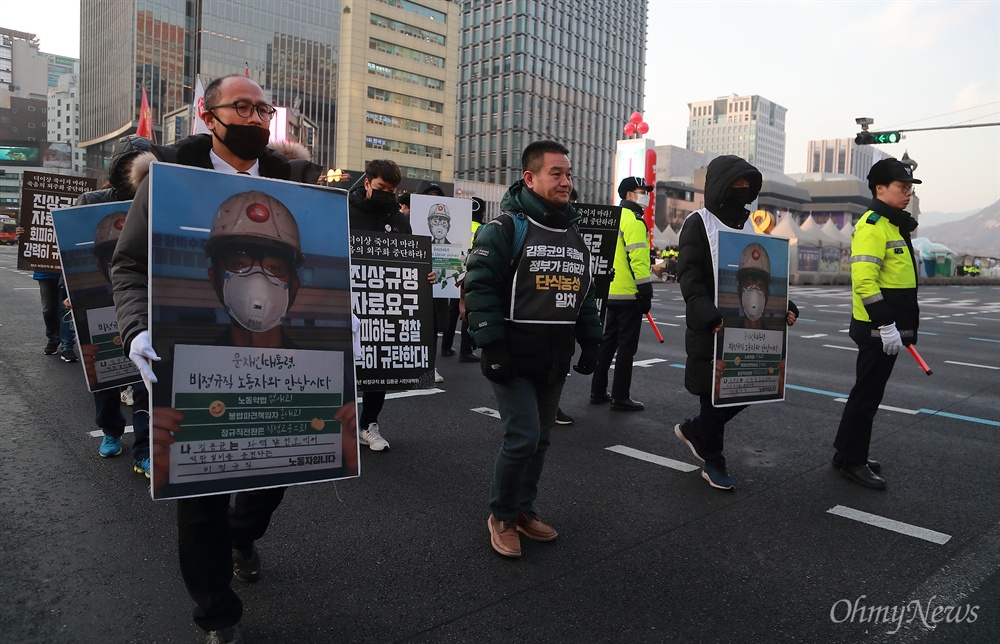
(289, 47)
(572, 72)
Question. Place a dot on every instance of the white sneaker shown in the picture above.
(370, 437)
(127, 396)
(438, 377)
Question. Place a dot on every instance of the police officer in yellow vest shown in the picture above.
(629, 300)
(885, 315)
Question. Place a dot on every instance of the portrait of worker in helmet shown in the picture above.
(751, 340)
(241, 359)
(255, 251)
(439, 223)
(444, 214)
(753, 278)
(87, 236)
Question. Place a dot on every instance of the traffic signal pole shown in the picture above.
(865, 137)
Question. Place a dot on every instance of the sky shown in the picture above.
(904, 64)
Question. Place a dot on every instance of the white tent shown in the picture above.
(665, 238)
(829, 253)
(803, 251)
(831, 230)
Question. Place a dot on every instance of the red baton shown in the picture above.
(920, 361)
(655, 330)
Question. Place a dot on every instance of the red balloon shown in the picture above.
(642, 128)
(636, 118)
(629, 129)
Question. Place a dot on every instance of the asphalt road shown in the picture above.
(647, 552)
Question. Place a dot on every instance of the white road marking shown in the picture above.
(834, 346)
(844, 331)
(653, 458)
(98, 432)
(25, 288)
(414, 392)
(818, 335)
(486, 411)
(647, 363)
(891, 524)
(912, 412)
(959, 323)
(969, 364)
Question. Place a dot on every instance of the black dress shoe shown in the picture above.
(447, 352)
(468, 357)
(838, 462)
(862, 475)
(599, 399)
(627, 405)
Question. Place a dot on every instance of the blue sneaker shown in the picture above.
(110, 446)
(142, 467)
(718, 477)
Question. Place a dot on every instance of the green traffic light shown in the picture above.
(886, 137)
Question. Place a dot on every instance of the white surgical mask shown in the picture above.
(753, 303)
(642, 200)
(256, 300)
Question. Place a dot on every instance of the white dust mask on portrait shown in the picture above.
(256, 300)
(753, 303)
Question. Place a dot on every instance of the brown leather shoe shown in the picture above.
(531, 526)
(503, 537)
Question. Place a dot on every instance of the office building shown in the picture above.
(64, 126)
(842, 156)
(546, 69)
(750, 127)
(397, 87)
(289, 47)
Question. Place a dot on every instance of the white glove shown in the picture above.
(356, 333)
(891, 342)
(140, 353)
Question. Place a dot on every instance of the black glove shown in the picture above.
(643, 302)
(587, 364)
(496, 363)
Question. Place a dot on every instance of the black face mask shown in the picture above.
(738, 197)
(245, 141)
(381, 202)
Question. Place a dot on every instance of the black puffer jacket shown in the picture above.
(377, 222)
(130, 262)
(539, 351)
(696, 273)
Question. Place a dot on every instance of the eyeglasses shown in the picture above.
(748, 282)
(905, 188)
(245, 108)
(239, 261)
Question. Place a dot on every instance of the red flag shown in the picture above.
(145, 127)
(246, 71)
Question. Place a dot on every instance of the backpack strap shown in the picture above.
(515, 226)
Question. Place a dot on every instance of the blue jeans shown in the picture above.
(58, 326)
(527, 414)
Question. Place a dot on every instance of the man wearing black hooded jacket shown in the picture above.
(730, 184)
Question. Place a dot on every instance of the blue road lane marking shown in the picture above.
(970, 419)
(816, 391)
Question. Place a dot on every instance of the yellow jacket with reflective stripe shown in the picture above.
(883, 274)
(631, 257)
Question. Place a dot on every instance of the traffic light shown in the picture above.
(874, 138)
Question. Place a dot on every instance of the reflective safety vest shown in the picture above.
(631, 257)
(883, 276)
